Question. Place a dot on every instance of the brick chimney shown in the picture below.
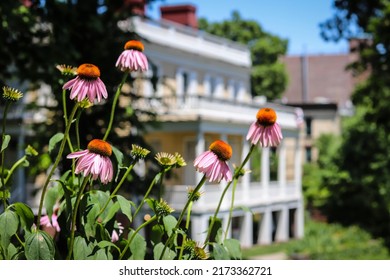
(136, 6)
(182, 14)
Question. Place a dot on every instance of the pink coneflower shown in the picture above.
(87, 84)
(95, 160)
(115, 234)
(265, 130)
(132, 58)
(53, 224)
(213, 162)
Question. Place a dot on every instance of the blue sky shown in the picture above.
(295, 20)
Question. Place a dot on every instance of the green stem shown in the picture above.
(74, 217)
(16, 164)
(116, 189)
(160, 183)
(146, 195)
(190, 199)
(231, 207)
(134, 234)
(235, 177)
(57, 161)
(187, 227)
(20, 241)
(7, 105)
(64, 106)
(114, 102)
(77, 129)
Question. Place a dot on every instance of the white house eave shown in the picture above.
(244, 116)
(182, 38)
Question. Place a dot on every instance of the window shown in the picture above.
(308, 154)
(185, 82)
(308, 126)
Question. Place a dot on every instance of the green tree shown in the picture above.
(268, 76)
(38, 35)
(363, 197)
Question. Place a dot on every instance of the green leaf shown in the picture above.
(156, 234)
(81, 250)
(5, 143)
(168, 254)
(39, 246)
(91, 213)
(219, 252)
(107, 244)
(111, 212)
(9, 223)
(234, 249)
(216, 233)
(13, 252)
(53, 195)
(138, 247)
(118, 155)
(169, 224)
(125, 206)
(25, 214)
(54, 140)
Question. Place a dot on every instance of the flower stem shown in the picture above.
(114, 102)
(145, 196)
(16, 164)
(57, 161)
(231, 207)
(74, 217)
(135, 233)
(7, 105)
(235, 177)
(190, 199)
(186, 227)
(78, 130)
(64, 106)
(114, 192)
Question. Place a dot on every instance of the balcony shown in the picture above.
(194, 107)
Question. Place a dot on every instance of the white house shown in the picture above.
(203, 95)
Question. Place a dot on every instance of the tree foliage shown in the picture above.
(363, 197)
(268, 76)
(38, 35)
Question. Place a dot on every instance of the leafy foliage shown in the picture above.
(268, 76)
(334, 242)
(363, 196)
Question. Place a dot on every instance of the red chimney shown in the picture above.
(136, 6)
(182, 14)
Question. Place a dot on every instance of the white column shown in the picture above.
(179, 87)
(199, 227)
(147, 84)
(298, 166)
(282, 226)
(282, 168)
(245, 180)
(242, 92)
(219, 88)
(193, 84)
(265, 173)
(231, 89)
(265, 231)
(206, 85)
(299, 220)
(246, 230)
